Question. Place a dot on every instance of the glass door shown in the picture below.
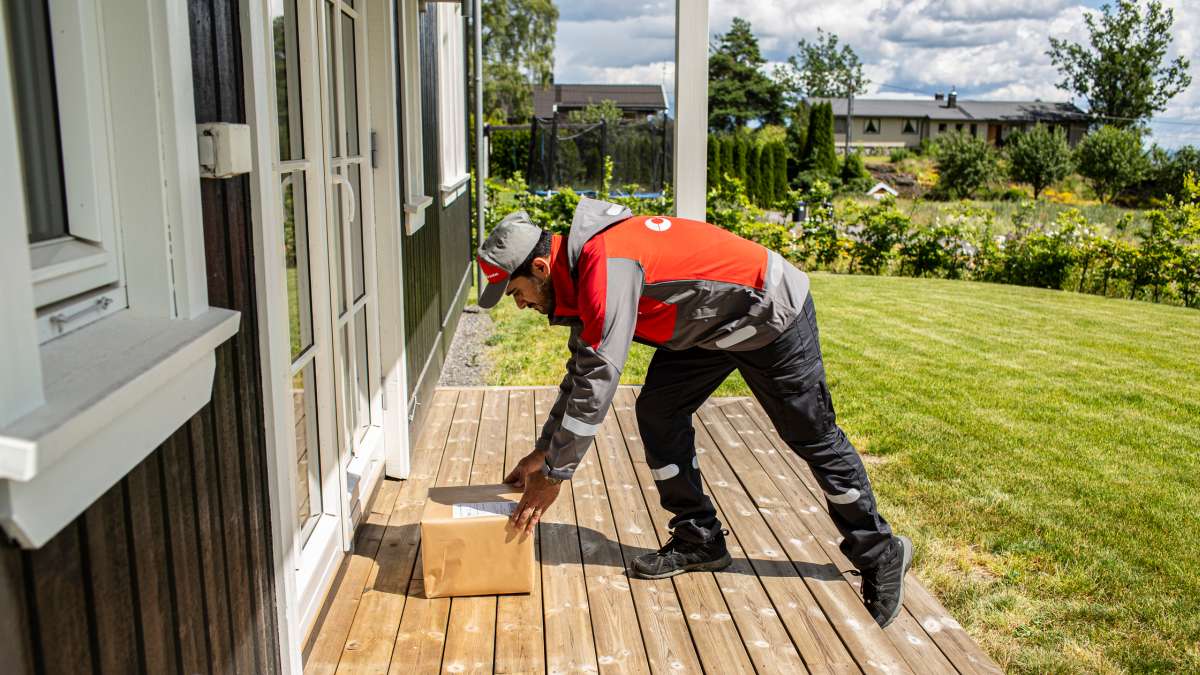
(326, 220)
(351, 233)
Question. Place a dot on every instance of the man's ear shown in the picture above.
(541, 267)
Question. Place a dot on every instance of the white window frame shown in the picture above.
(867, 126)
(79, 411)
(415, 199)
(88, 258)
(452, 102)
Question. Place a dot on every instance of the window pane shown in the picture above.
(331, 83)
(357, 267)
(337, 198)
(308, 454)
(36, 103)
(362, 372)
(350, 85)
(348, 390)
(287, 79)
(295, 242)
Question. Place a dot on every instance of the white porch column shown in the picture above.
(691, 107)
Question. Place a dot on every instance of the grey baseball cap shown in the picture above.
(509, 244)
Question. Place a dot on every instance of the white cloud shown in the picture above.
(988, 49)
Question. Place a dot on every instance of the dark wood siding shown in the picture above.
(170, 571)
(437, 257)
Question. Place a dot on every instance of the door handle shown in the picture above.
(341, 180)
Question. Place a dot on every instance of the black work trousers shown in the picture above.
(787, 377)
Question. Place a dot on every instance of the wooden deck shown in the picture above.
(785, 606)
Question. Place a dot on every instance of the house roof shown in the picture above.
(966, 110)
(883, 187)
(637, 97)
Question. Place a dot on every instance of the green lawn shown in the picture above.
(1041, 448)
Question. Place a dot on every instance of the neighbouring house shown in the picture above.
(636, 101)
(880, 125)
(237, 246)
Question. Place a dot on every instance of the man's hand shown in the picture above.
(539, 495)
(531, 463)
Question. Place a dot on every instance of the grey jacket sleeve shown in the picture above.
(597, 366)
(560, 403)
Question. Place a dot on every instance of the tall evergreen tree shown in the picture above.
(738, 90)
(754, 169)
(819, 153)
(781, 172)
(740, 160)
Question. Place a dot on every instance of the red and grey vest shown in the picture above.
(667, 282)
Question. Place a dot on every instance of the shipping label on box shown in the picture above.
(468, 545)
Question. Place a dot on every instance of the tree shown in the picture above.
(819, 154)
(738, 90)
(1121, 72)
(1039, 157)
(518, 51)
(964, 163)
(822, 69)
(594, 113)
(1112, 159)
(797, 137)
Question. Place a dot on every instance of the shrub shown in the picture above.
(964, 164)
(1042, 258)
(854, 168)
(874, 232)
(898, 155)
(1112, 159)
(508, 152)
(1040, 157)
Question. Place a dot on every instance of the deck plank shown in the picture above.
(619, 643)
(924, 611)
(685, 621)
(761, 630)
(520, 642)
(471, 636)
(425, 620)
(372, 636)
(570, 640)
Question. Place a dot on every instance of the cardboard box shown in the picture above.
(468, 545)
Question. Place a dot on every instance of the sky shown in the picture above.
(986, 49)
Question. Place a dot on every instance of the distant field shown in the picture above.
(1042, 449)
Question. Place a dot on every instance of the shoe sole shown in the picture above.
(711, 566)
(908, 555)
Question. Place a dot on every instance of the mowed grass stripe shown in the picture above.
(1043, 449)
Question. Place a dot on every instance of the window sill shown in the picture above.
(114, 391)
(414, 211)
(453, 189)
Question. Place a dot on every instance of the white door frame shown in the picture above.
(295, 621)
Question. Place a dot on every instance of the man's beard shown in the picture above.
(545, 289)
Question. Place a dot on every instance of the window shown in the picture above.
(58, 79)
(910, 126)
(412, 151)
(872, 126)
(941, 127)
(958, 127)
(452, 103)
(839, 125)
(974, 129)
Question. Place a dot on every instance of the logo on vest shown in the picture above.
(658, 224)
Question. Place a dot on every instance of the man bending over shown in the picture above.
(709, 302)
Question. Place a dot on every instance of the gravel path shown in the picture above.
(467, 366)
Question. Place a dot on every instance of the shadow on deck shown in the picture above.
(784, 606)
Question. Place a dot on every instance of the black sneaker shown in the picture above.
(883, 586)
(680, 555)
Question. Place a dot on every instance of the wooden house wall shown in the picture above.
(170, 571)
(436, 257)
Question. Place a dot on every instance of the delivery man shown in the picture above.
(710, 302)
